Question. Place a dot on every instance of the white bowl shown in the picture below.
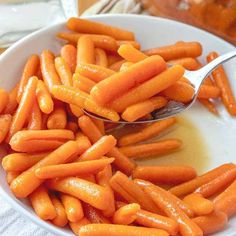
(219, 133)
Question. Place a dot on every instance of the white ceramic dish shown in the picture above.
(219, 133)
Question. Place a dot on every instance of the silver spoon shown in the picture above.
(173, 108)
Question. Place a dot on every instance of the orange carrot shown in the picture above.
(192, 185)
(42, 204)
(126, 214)
(165, 174)
(209, 105)
(27, 182)
(101, 57)
(83, 83)
(75, 110)
(149, 88)
(12, 102)
(4, 98)
(76, 226)
(138, 110)
(135, 44)
(5, 123)
(35, 119)
(44, 98)
(119, 83)
(30, 69)
(48, 69)
(178, 50)
(208, 91)
(188, 63)
(11, 175)
(211, 223)
(117, 65)
(91, 27)
(146, 132)
(69, 54)
(73, 126)
(82, 141)
(24, 107)
(85, 50)
(72, 169)
(100, 125)
(86, 191)
(113, 58)
(57, 119)
(125, 65)
(222, 82)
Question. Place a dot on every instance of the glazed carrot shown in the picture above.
(113, 58)
(73, 208)
(117, 230)
(164, 174)
(82, 141)
(178, 50)
(188, 63)
(42, 204)
(11, 175)
(90, 178)
(61, 218)
(39, 140)
(94, 72)
(85, 50)
(126, 65)
(48, 69)
(91, 27)
(222, 82)
(126, 214)
(119, 83)
(83, 83)
(30, 69)
(218, 184)
(76, 226)
(4, 98)
(21, 161)
(208, 91)
(35, 119)
(199, 204)
(24, 108)
(149, 88)
(88, 192)
(162, 147)
(57, 119)
(180, 92)
(76, 111)
(117, 65)
(73, 126)
(100, 125)
(44, 98)
(146, 132)
(225, 201)
(64, 71)
(27, 182)
(135, 44)
(5, 123)
(72, 169)
(211, 223)
(69, 54)
(171, 209)
(152, 220)
(210, 106)
(101, 57)
(12, 102)
(138, 110)
(192, 185)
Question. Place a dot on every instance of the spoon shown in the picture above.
(173, 108)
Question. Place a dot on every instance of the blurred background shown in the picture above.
(21, 17)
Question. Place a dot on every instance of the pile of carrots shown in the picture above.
(74, 173)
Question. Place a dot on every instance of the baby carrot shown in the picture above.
(57, 119)
(222, 82)
(64, 71)
(76, 111)
(100, 125)
(135, 44)
(149, 88)
(4, 98)
(83, 83)
(164, 174)
(85, 50)
(151, 149)
(30, 69)
(117, 65)
(42, 204)
(209, 105)
(138, 110)
(192, 185)
(199, 205)
(171, 209)
(5, 123)
(73, 126)
(35, 119)
(119, 83)
(11, 175)
(83, 142)
(48, 69)
(24, 107)
(131, 54)
(126, 214)
(69, 54)
(178, 50)
(27, 182)
(94, 72)
(188, 63)
(12, 102)
(146, 132)
(91, 193)
(117, 230)
(91, 27)
(101, 57)
(211, 223)
(113, 58)
(72, 169)
(73, 208)
(44, 98)
(208, 91)
(125, 65)
(76, 226)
